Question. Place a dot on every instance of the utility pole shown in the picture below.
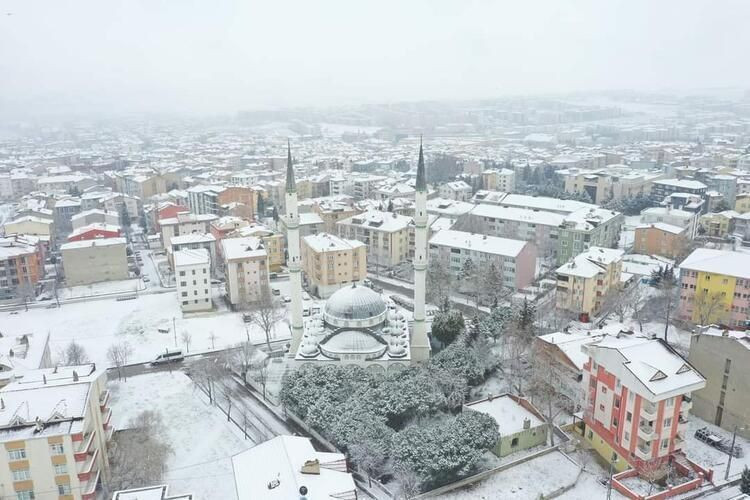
(174, 330)
(731, 451)
(609, 483)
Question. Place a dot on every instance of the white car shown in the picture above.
(287, 299)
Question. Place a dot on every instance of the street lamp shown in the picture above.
(731, 450)
(611, 467)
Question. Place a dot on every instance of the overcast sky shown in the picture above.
(223, 55)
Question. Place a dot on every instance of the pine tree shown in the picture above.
(474, 329)
(745, 481)
(526, 315)
(390, 205)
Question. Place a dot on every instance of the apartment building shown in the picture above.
(724, 184)
(331, 212)
(660, 239)
(503, 180)
(184, 223)
(245, 270)
(614, 182)
(742, 203)
(583, 283)
(544, 203)
(42, 228)
(587, 228)
(330, 262)
(662, 188)
(515, 259)
(193, 241)
(55, 430)
(193, 279)
(456, 190)
(385, 234)
(715, 287)
(638, 394)
(64, 211)
(94, 231)
(274, 243)
(142, 184)
(539, 227)
(717, 224)
(723, 357)
(240, 201)
(92, 261)
(21, 266)
(94, 216)
(204, 199)
(668, 215)
(224, 226)
(116, 202)
(685, 201)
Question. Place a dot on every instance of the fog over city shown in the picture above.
(225, 55)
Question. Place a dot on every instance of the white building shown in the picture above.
(193, 277)
(288, 467)
(245, 269)
(184, 223)
(456, 190)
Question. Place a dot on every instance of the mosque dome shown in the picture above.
(355, 306)
(353, 342)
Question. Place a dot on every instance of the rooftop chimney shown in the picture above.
(75, 376)
(526, 423)
(311, 467)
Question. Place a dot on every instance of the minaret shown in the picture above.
(291, 219)
(420, 344)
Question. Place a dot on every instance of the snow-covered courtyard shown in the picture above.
(202, 440)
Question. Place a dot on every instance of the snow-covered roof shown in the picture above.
(724, 262)
(185, 217)
(681, 183)
(149, 493)
(273, 470)
(544, 203)
(646, 366)
(242, 248)
(518, 214)
(96, 226)
(191, 257)
(309, 218)
(185, 239)
(93, 211)
(446, 206)
(591, 262)
(478, 242)
(661, 226)
(570, 345)
(30, 218)
(508, 413)
(378, 221)
(99, 242)
(325, 242)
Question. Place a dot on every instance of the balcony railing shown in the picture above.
(85, 468)
(643, 453)
(106, 418)
(103, 400)
(80, 451)
(646, 431)
(649, 410)
(88, 490)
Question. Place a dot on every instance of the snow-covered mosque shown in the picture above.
(358, 325)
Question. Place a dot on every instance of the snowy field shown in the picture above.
(710, 457)
(103, 288)
(530, 480)
(202, 440)
(98, 324)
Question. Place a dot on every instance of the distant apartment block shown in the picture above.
(330, 262)
(21, 266)
(660, 238)
(715, 287)
(245, 270)
(385, 234)
(193, 279)
(184, 223)
(662, 188)
(583, 283)
(92, 261)
(515, 259)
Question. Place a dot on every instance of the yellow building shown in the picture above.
(715, 287)
(583, 283)
(330, 262)
(717, 225)
(55, 430)
(742, 203)
(385, 234)
(44, 229)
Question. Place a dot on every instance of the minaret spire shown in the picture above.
(421, 184)
(291, 186)
(294, 261)
(420, 343)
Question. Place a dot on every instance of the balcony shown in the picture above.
(89, 488)
(85, 469)
(648, 410)
(82, 449)
(687, 403)
(103, 400)
(109, 434)
(106, 418)
(646, 431)
(643, 452)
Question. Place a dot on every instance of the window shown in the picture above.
(669, 402)
(514, 442)
(591, 435)
(25, 495)
(61, 469)
(604, 390)
(184, 294)
(183, 283)
(18, 454)
(182, 273)
(63, 489)
(664, 444)
(627, 436)
(629, 417)
(56, 449)
(668, 422)
(21, 475)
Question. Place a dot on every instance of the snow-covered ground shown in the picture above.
(530, 480)
(707, 456)
(103, 288)
(202, 440)
(98, 324)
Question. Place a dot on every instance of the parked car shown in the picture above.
(287, 299)
(247, 318)
(168, 357)
(275, 291)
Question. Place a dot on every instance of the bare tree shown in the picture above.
(652, 472)
(709, 307)
(187, 339)
(616, 302)
(369, 459)
(119, 354)
(212, 337)
(208, 373)
(139, 454)
(517, 345)
(260, 372)
(409, 483)
(243, 356)
(544, 388)
(638, 300)
(73, 355)
(266, 313)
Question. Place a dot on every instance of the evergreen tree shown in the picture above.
(275, 214)
(446, 326)
(261, 206)
(526, 315)
(492, 281)
(390, 205)
(474, 330)
(745, 481)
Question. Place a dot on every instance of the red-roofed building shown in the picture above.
(94, 231)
